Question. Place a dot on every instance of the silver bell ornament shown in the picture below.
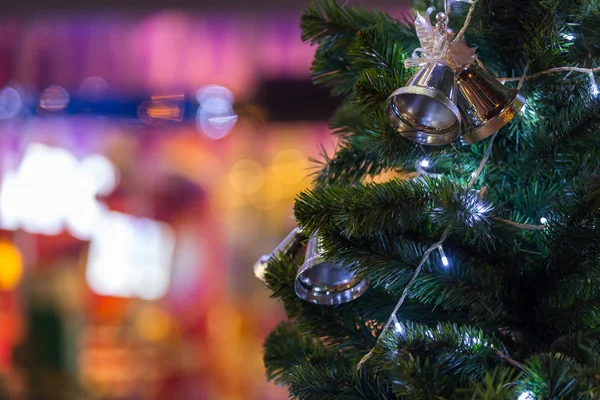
(288, 246)
(425, 110)
(486, 105)
(326, 282)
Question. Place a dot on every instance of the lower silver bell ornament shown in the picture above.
(326, 282)
(485, 103)
(288, 246)
(424, 110)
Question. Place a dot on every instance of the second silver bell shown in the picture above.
(290, 245)
(425, 110)
(486, 104)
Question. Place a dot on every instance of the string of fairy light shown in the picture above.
(422, 166)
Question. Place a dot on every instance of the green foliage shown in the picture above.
(334, 29)
(517, 311)
(287, 348)
(397, 206)
(339, 384)
(496, 384)
(549, 376)
(460, 351)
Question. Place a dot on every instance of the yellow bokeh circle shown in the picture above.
(289, 166)
(269, 195)
(246, 176)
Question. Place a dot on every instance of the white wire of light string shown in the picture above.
(552, 71)
(525, 77)
(431, 248)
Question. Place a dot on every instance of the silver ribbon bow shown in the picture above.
(437, 46)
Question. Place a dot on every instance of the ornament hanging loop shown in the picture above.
(442, 23)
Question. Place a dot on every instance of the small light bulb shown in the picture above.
(397, 325)
(543, 221)
(526, 396)
(594, 90)
(444, 258)
(425, 163)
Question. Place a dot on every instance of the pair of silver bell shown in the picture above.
(430, 108)
(318, 280)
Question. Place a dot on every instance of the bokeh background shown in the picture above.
(150, 152)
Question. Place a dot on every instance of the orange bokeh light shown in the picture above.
(11, 266)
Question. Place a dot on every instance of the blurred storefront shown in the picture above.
(126, 255)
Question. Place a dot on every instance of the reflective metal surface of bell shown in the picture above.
(288, 246)
(486, 105)
(326, 282)
(425, 110)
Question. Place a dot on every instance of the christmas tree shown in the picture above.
(481, 255)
